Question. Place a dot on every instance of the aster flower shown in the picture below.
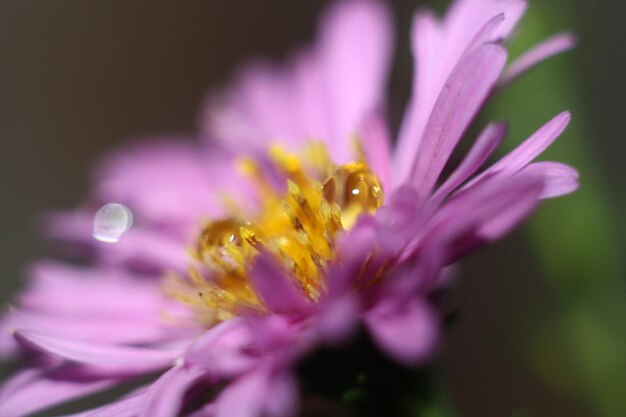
(289, 224)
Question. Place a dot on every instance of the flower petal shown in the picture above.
(323, 93)
(36, 389)
(465, 16)
(484, 146)
(484, 213)
(521, 156)
(142, 248)
(427, 44)
(464, 93)
(536, 55)
(438, 48)
(223, 350)
(111, 358)
(165, 397)
(376, 144)
(263, 392)
(338, 318)
(69, 301)
(355, 52)
(275, 286)
(129, 406)
(559, 178)
(408, 332)
(169, 174)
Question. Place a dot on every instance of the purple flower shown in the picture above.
(291, 223)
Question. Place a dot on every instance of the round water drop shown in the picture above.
(111, 222)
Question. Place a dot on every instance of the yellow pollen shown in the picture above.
(298, 227)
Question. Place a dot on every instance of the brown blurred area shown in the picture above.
(78, 78)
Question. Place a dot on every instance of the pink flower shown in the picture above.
(302, 220)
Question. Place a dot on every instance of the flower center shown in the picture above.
(298, 226)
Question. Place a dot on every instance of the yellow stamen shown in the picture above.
(298, 227)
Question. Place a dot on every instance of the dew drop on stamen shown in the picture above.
(111, 221)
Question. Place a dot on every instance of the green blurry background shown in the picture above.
(541, 329)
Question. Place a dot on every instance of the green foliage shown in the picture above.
(580, 349)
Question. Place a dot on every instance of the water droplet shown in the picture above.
(111, 222)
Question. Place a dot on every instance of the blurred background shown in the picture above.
(541, 330)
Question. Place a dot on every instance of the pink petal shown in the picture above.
(322, 94)
(180, 182)
(536, 55)
(407, 332)
(165, 397)
(276, 287)
(485, 212)
(484, 146)
(63, 289)
(95, 328)
(417, 276)
(376, 143)
(559, 178)
(128, 406)
(107, 358)
(465, 16)
(33, 390)
(337, 319)
(8, 346)
(485, 34)
(438, 48)
(261, 393)
(355, 52)
(460, 100)
(142, 248)
(223, 350)
(528, 150)
(428, 43)
(102, 304)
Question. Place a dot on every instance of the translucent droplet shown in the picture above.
(354, 186)
(111, 222)
(355, 189)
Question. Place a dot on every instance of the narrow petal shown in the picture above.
(165, 396)
(222, 350)
(536, 55)
(275, 286)
(9, 348)
(264, 392)
(128, 406)
(142, 248)
(484, 146)
(97, 329)
(427, 44)
(416, 276)
(466, 16)
(33, 390)
(484, 213)
(464, 94)
(322, 93)
(376, 143)
(337, 319)
(66, 289)
(169, 173)
(68, 301)
(438, 47)
(407, 332)
(485, 34)
(528, 150)
(560, 179)
(122, 359)
(355, 52)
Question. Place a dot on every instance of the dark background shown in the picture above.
(78, 78)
